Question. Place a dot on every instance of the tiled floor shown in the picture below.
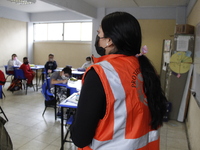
(29, 130)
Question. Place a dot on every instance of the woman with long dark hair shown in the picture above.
(121, 105)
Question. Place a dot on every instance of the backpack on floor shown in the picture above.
(2, 78)
(15, 85)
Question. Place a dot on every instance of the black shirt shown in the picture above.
(91, 108)
(52, 65)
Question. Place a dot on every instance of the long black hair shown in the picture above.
(125, 32)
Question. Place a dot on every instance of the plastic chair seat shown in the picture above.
(7, 73)
(19, 74)
(1, 111)
(1, 92)
(50, 100)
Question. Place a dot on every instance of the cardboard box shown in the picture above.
(184, 29)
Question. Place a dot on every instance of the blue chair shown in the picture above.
(1, 111)
(19, 74)
(1, 92)
(68, 122)
(7, 73)
(43, 76)
(50, 100)
(48, 80)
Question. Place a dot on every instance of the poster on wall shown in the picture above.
(166, 53)
(166, 59)
(182, 43)
(167, 45)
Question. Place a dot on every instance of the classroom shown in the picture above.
(17, 25)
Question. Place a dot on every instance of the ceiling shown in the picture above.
(136, 3)
(41, 6)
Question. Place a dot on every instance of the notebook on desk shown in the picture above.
(32, 65)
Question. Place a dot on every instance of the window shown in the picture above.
(72, 31)
(55, 31)
(86, 31)
(40, 32)
(78, 31)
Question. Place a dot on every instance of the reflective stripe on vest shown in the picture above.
(118, 141)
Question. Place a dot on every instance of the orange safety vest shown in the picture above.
(126, 124)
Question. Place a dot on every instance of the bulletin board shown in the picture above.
(196, 73)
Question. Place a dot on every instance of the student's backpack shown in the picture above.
(2, 78)
(15, 85)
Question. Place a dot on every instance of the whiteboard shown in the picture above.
(196, 73)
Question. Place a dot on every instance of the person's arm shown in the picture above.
(46, 66)
(54, 65)
(54, 81)
(55, 77)
(83, 66)
(91, 108)
(29, 70)
(18, 62)
(21, 66)
(24, 68)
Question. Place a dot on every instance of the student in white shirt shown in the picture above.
(13, 62)
(87, 63)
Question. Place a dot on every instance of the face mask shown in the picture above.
(100, 50)
(50, 59)
(26, 62)
(87, 62)
(15, 58)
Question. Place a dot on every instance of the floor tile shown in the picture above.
(33, 145)
(29, 130)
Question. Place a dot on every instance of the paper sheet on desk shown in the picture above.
(73, 98)
(76, 84)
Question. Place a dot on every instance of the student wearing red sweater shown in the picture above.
(29, 74)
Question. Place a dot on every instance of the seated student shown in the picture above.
(29, 74)
(50, 65)
(87, 63)
(60, 77)
(13, 62)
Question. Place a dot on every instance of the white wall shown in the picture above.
(13, 39)
(176, 13)
(60, 16)
(29, 47)
(165, 13)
